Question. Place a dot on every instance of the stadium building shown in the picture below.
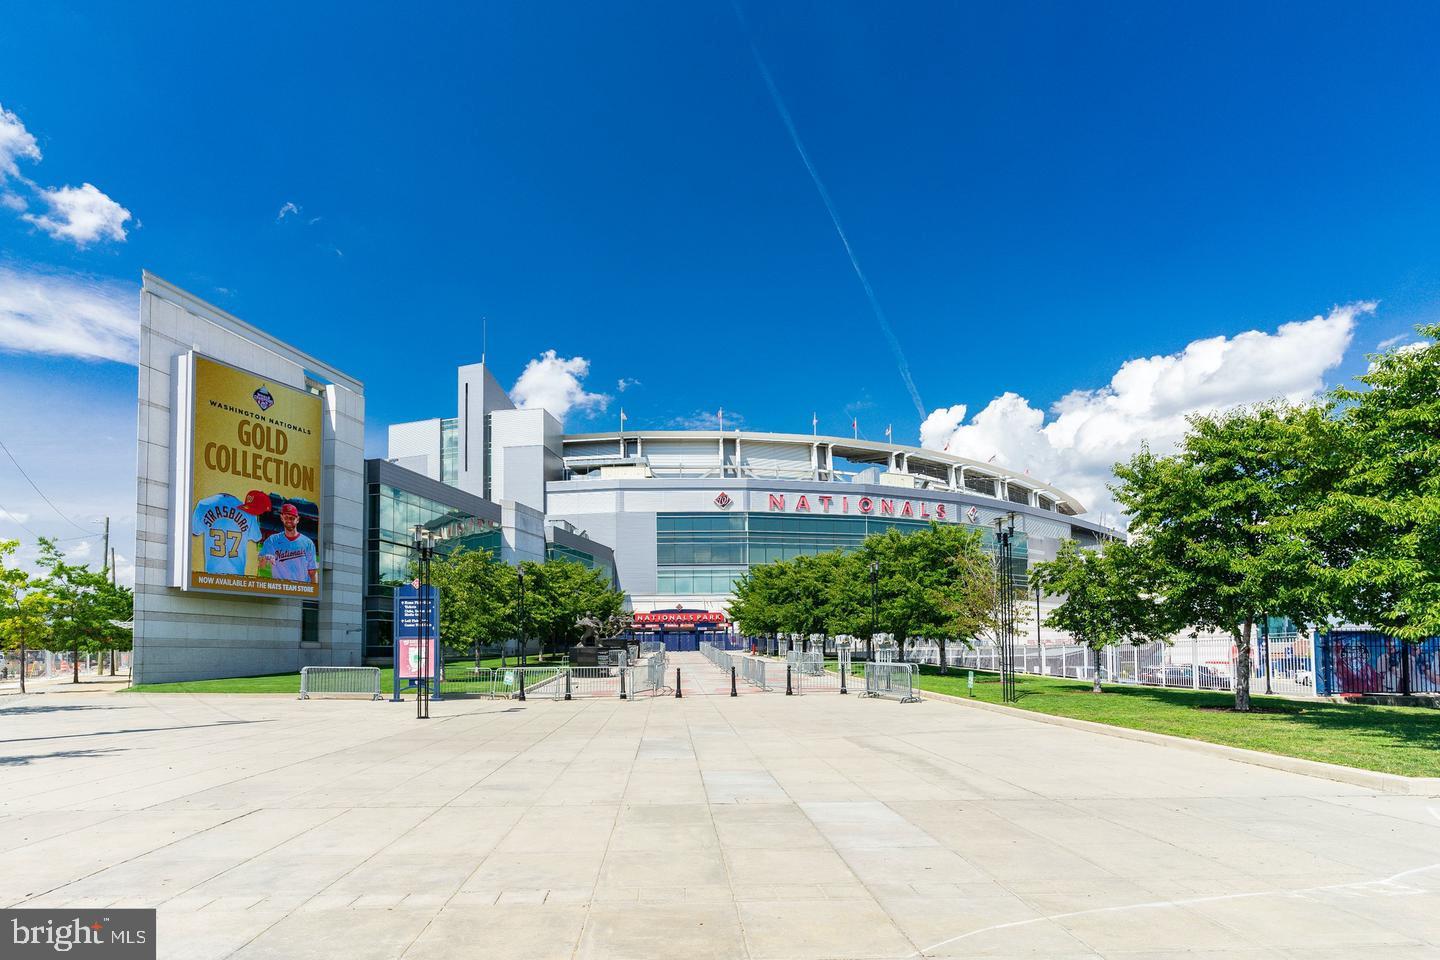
(687, 512)
(267, 542)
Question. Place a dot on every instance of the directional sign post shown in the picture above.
(417, 620)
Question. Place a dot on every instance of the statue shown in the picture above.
(589, 631)
(599, 640)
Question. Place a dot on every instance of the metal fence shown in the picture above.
(576, 682)
(892, 681)
(811, 664)
(718, 657)
(1282, 663)
(753, 672)
(462, 678)
(806, 680)
(339, 681)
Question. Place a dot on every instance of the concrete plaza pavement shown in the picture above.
(762, 826)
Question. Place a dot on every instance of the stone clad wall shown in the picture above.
(182, 635)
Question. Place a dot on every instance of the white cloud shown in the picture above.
(707, 420)
(286, 210)
(68, 316)
(1389, 346)
(1389, 342)
(625, 383)
(556, 384)
(16, 143)
(81, 215)
(1147, 400)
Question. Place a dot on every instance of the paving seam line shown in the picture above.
(1370, 779)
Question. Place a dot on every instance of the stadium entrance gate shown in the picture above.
(684, 641)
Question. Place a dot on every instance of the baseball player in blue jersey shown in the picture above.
(228, 530)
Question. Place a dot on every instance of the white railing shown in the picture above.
(1202, 662)
(339, 681)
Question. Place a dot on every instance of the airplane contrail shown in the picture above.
(784, 112)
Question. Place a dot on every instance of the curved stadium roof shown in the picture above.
(799, 456)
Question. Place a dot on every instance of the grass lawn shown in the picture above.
(1403, 740)
(459, 678)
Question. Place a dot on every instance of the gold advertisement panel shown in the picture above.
(254, 520)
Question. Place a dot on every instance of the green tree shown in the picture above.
(25, 607)
(847, 601)
(1223, 521)
(756, 606)
(1382, 526)
(477, 599)
(86, 606)
(1107, 597)
(558, 593)
(938, 583)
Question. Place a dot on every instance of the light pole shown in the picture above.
(1004, 556)
(520, 578)
(425, 540)
(874, 608)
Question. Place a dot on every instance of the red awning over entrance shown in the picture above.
(679, 618)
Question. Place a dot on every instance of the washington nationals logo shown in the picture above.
(263, 399)
(723, 500)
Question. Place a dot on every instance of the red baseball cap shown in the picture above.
(256, 502)
(291, 509)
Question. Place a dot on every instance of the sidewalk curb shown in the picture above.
(1369, 779)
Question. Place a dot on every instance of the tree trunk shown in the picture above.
(22, 664)
(1242, 667)
(75, 665)
(1095, 687)
(942, 656)
(112, 661)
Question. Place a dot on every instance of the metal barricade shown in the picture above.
(810, 678)
(656, 668)
(543, 682)
(590, 682)
(464, 679)
(752, 671)
(809, 664)
(891, 681)
(339, 681)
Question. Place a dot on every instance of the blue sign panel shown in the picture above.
(413, 606)
(417, 637)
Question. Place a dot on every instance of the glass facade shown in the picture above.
(706, 552)
(450, 451)
(392, 513)
(554, 551)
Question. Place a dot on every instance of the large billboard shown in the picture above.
(248, 471)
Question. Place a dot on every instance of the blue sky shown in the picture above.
(1036, 193)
